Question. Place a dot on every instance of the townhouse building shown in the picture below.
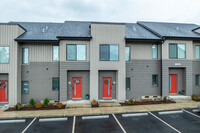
(67, 61)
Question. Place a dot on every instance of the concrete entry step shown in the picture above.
(181, 99)
(109, 104)
(78, 104)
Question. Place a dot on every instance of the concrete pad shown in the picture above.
(96, 111)
(52, 113)
(77, 111)
(138, 108)
(30, 114)
(10, 114)
(113, 104)
(112, 110)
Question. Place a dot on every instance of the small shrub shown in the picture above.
(131, 102)
(46, 102)
(194, 96)
(94, 103)
(32, 102)
(197, 98)
(59, 105)
(38, 105)
(164, 99)
(18, 106)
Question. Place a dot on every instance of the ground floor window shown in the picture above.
(25, 86)
(128, 83)
(55, 84)
(197, 80)
(154, 80)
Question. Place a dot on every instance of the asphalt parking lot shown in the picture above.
(181, 121)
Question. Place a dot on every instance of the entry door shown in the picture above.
(107, 87)
(3, 90)
(76, 88)
(172, 83)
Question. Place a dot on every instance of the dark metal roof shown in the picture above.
(75, 29)
(174, 30)
(137, 32)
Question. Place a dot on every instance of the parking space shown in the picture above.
(182, 121)
(143, 123)
(97, 125)
(194, 111)
(13, 125)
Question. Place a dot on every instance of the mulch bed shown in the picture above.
(28, 108)
(146, 103)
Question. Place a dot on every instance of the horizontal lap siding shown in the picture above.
(196, 71)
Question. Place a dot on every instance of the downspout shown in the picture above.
(161, 72)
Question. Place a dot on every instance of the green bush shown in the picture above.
(32, 102)
(164, 99)
(38, 105)
(195, 97)
(59, 105)
(46, 102)
(131, 102)
(94, 103)
(18, 106)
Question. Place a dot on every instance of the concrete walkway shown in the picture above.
(95, 111)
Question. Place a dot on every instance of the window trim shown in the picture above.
(9, 55)
(22, 56)
(195, 52)
(176, 50)
(76, 52)
(129, 53)
(108, 51)
(157, 80)
(58, 84)
(53, 53)
(23, 88)
(152, 51)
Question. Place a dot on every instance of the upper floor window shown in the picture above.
(177, 51)
(109, 52)
(55, 53)
(55, 84)
(128, 83)
(4, 54)
(127, 52)
(154, 51)
(154, 80)
(25, 86)
(197, 80)
(25, 56)
(76, 52)
(197, 50)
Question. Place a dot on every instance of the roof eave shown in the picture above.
(142, 40)
(74, 38)
(35, 40)
(178, 37)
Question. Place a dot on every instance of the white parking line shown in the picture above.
(13, 121)
(53, 119)
(119, 123)
(134, 114)
(170, 112)
(28, 125)
(191, 113)
(195, 110)
(74, 122)
(95, 117)
(164, 122)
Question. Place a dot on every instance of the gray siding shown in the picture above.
(40, 80)
(140, 73)
(64, 67)
(187, 64)
(85, 82)
(196, 71)
(111, 74)
(3, 76)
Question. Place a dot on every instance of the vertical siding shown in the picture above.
(107, 34)
(7, 35)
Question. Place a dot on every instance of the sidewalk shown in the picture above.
(95, 111)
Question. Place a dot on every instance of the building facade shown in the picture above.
(120, 61)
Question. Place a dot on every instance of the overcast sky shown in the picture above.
(100, 10)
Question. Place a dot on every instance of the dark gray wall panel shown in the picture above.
(40, 80)
(196, 71)
(85, 82)
(111, 74)
(187, 64)
(3, 76)
(140, 72)
(64, 67)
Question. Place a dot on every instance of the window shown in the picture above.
(197, 49)
(109, 52)
(177, 51)
(24, 55)
(154, 51)
(128, 83)
(76, 52)
(127, 52)
(4, 54)
(154, 80)
(55, 84)
(197, 80)
(55, 53)
(25, 86)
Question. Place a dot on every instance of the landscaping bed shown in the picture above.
(146, 102)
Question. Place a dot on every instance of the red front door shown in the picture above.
(172, 83)
(77, 88)
(3, 90)
(107, 87)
